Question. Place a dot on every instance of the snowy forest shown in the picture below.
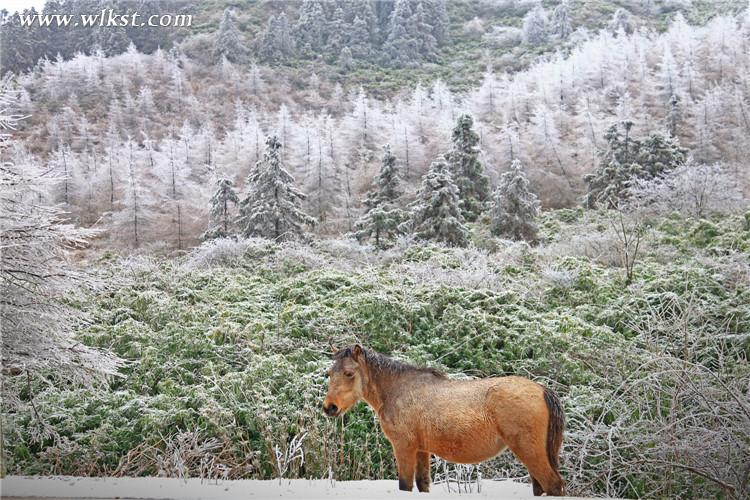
(555, 189)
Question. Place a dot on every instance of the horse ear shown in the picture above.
(356, 352)
(334, 349)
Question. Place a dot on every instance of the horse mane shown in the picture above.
(384, 363)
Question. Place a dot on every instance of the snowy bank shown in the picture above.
(195, 489)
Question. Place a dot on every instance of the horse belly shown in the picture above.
(469, 448)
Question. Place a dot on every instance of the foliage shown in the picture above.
(436, 213)
(467, 170)
(627, 159)
(227, 358)
(271, 207)
(515, 208)
(220, 220)
(382, 216)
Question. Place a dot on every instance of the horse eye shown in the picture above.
(349, 374)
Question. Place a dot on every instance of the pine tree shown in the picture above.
(466, 168)
(621, 21)
(271, 208)
(309, 30)
(660, 154)
(626, 159)
(345, 58)
(228, 39)
(436, 213)
(437, 17)
(401, 47)
(561, 26)
(358, 39)
(219, 222)
(336, 32)
(515, 207)
(426, 42)
(382, 216)
(535, 27)
(275, 43)
(617, 164)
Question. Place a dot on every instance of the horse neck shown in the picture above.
(380, 383)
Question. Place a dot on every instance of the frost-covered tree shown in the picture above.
(659, 154)
(514, 206)
(693, 190)
(310, 28)
(621, 21)
(436, 213)
(36, 276)
(401, 47)
(560, 22)
(535, 27)
(358, 39)
(617, 165)
(228, 39)
(220, 215)
(346, 60)
(626, 159)
(336, 29)
(271, 208)
(275, 43)
(467, 170)
(423, 33)
(382, 216)
(437, 17)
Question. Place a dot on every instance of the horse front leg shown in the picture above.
(406, 461)
(423, 471)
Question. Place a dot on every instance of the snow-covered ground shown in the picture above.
(195, 489)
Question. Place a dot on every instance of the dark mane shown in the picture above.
(384, 363)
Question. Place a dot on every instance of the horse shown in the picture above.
(423, 413)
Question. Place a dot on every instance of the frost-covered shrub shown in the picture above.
(229, 252)
(691, 190)
(226, 364)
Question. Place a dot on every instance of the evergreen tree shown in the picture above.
(617, 164)
(436, 213)
(219, 221)
(346, 60)
(358, 39)
(515, 207)
(401, 47)
(112, 40)
(626, 159)
(535, 27)
(466, 168)
(336, 32)
(271, 208)
(660, 154)
(437, 17)
(309, 30)
(275, 43)
(426, 42)
(621, 20)
(228, 39)
(561, 26)
(382, 216)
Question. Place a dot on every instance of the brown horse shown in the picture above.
(423, 412)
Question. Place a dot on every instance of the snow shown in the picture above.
(158, 488)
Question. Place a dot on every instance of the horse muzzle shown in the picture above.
(331, 410)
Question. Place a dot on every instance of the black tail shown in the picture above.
(555, 427)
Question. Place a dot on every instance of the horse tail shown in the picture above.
(556, 426)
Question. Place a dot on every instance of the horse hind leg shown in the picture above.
(537, 487)
(423, 471)
(544, 478)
